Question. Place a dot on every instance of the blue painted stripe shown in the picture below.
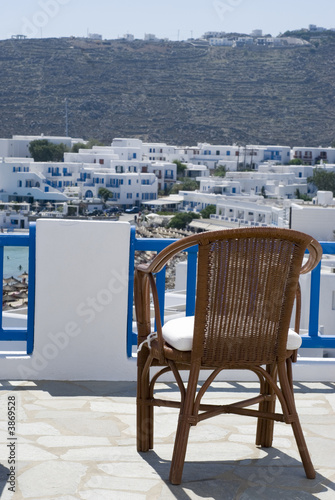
(31, 287)
(131, 337)
(21, 240)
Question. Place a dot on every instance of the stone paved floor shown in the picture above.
(76, 440)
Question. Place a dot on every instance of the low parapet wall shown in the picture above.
(81, 304)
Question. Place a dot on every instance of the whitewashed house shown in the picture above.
(18, 145)
(312, 156)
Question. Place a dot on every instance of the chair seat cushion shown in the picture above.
(179, 334)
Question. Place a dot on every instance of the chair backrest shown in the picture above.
(246, 286)
(247, 281)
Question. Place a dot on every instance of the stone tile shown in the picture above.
(106, 495)
(98, 454)
(72, 441)
(119, 483)
(36, 429)
(138, 469)
(48, 479)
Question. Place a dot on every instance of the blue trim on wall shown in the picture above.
(21, 240)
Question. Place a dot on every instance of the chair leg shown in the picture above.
(264, 433)
(288, 394)
(145, 413)
(183, 429)
(179, 452)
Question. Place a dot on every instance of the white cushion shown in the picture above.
(179, 334)
(294, 340)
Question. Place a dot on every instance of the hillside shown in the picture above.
(172, 92)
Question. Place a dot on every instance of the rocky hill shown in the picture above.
(168, 91)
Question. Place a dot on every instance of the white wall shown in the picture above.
(319, 222)
(81, 304)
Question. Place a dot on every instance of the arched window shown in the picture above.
(89, 194)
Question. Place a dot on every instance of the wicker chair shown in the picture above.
(247, 282)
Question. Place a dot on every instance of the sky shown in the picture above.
(173, 19)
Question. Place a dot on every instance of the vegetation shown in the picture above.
(181, 220)
(43, 150)
(88, 145)
(301, 196)
(296, 161)
(295, 110)
(220, 171)
(78, 145)
(181, 167)
(104, 194)
(322, 180)
(186, 185)
(206, 212)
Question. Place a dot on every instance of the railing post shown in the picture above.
(313, 328)
(31, 288)
(191, 280)
(131, 337)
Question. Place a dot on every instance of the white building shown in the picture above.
(156, 151)
(14, 215)
(234, 157)
(18, 145)
(220, 42)
(312, 156)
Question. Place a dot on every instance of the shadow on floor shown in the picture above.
(276, 476)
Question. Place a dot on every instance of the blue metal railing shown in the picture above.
(312, 340)
(21, 240)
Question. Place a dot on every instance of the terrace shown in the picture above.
(72, 372)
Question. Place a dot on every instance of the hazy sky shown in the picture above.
(169, 18)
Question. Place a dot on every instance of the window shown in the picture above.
(19, 184)
(101, 161)
(134, 155)
(129, 182)
(129, 195)
(217, 152)
(228, 153)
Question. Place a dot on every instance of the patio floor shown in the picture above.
(76, 440)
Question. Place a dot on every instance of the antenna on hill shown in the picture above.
(66, 119)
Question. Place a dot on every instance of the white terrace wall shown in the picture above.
(81, 304)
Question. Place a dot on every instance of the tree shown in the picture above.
(322, 180)
(263, 192)
(187, 185)
(78, 145)
(181, 167)
(220, 171)
(206, 212)
(43, 150)
(104, 194)
(87, 145)
(181, 220)
(301, 196)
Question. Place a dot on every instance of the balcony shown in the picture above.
(83, 286)
(75, 391)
